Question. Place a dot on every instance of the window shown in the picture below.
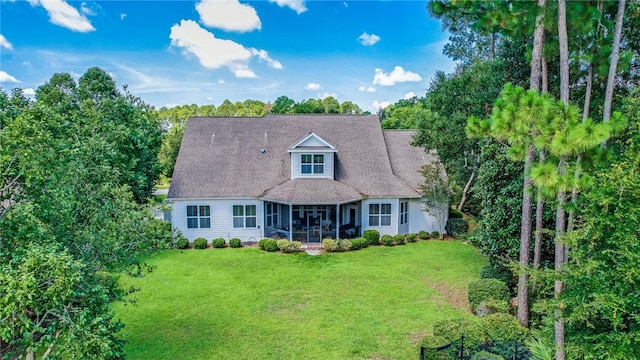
(272, 214)
(379, 214)
(244, 216)
(198, 216)
(404, 212)
(312, 164)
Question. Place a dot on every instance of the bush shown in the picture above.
(345, 245)
(497, 270)
(485, 355)
(235, 243)
(372, 236)
(452, 329)
(435, 235)
(456, 227)
(398, 239)
(288, 246)
(504, 327)
(424, 235)
(455, 214)
(387, 240)
(330, 245)
(411, 238)
(268, 245)
(218, 243)
(182, 243)
(485, 290)
(200, 243)
(359, 243)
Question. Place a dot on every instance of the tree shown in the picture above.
(437, 193)
(282, 105)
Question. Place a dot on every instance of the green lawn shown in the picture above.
(247, 304)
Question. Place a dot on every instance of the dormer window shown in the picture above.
(312, 164)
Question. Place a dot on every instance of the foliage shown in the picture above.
(455, 214)
(269, 245)
(182, 243)
(200, 243)
(424, 235)
(504, 327)
(330, 245)
(218, 243)
(387, 240)
(359, 243)
(485, 355)
(405, 114)
(235, 243)
(372, 236)
(452, 329)
(435, 234)
(497, 270)
(288, 246)
(398, 239)
(487, 289)
(456, 226)
(411, 237)
(436, 193)
(345, 244)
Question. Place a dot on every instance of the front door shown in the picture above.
(314, 228)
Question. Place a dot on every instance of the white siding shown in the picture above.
(390, 230)
(420, 219)
(296, 162)
(221, 220)
(312, 141)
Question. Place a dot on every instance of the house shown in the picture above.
(296, 177)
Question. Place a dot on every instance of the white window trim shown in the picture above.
(380, 215)
(244, 216)
(272, 214)
(198, 216)
(404, 212)
(312, 164)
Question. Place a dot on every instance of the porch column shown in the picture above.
(337, 221)
(290, 222)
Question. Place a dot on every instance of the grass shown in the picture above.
(374, 303)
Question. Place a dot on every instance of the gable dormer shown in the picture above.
(312, 157)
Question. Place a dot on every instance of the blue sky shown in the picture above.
(203, 52)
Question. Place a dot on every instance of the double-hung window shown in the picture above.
(198, 216)
(404, 212)
(312, 164)
(244, 216)
(379, 214)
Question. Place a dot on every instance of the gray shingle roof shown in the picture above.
(311, 191)
(406, 160)
(248, 158)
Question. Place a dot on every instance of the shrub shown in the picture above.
(218, 243)
(330, 245)
(455, 214)
(182, 243)
(484, 290)
(359, 243)
(435, 235)
(398, 239)
(411, 238)
(456, 226)
(288, 246)
(424, 235)
(452, 329)
(200, 243)
(504, 327)
(497, 270)
(268, 245)
(345, 245)
(386, 240)
(235, 243)
(372, 236)
(485, 355)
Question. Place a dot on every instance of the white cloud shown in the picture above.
(5, 43)
(398, 75)
(214, 53)
(312, 86)
(122, 16)
(264, 56)
(325, 95)
(86, 10)
(228, 15)
(295, 5)
(370, 89)
(4, 77)
(65, 15)
(29, 92)
(379, 105)
(368, 40)
(409, 95)
(220, 81)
